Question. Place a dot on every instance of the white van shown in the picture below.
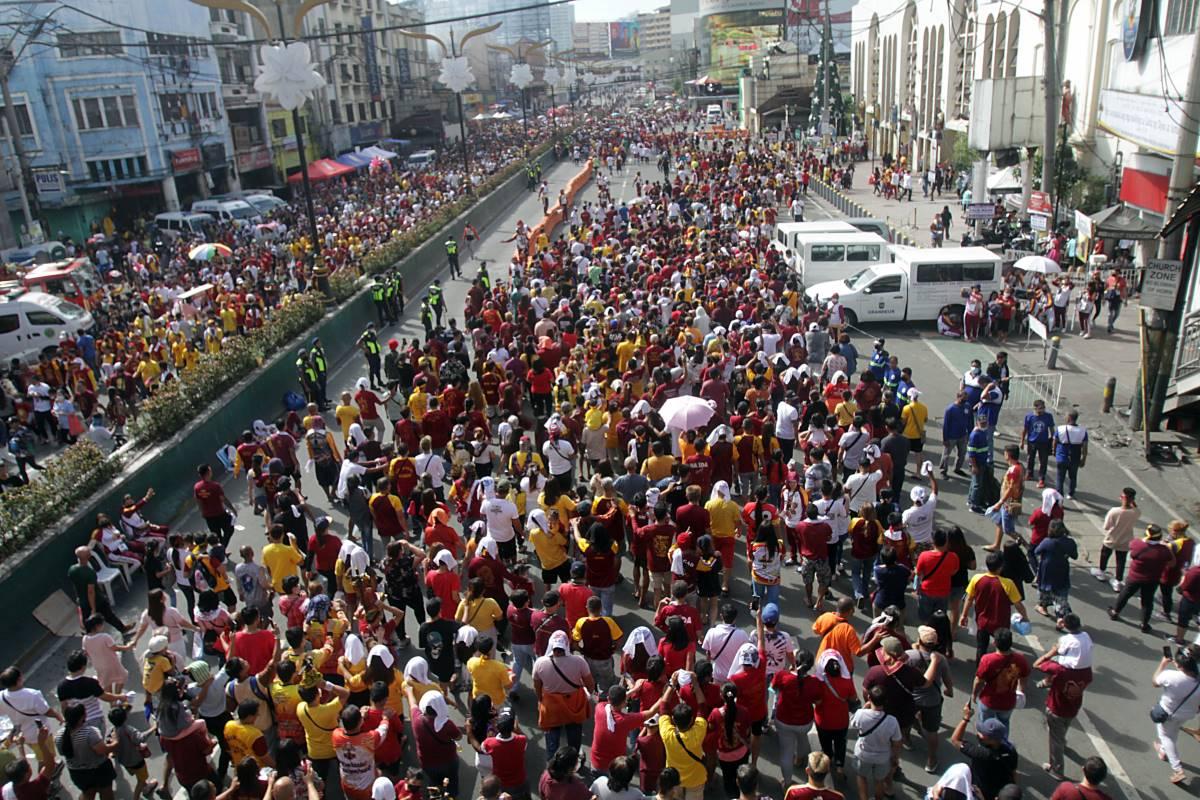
(265, 202)
(31, 323)
(238, 212)
(713, 115)
(420, 159)
(822, 257)
(786, 232)
(916, 286)
(176, 224)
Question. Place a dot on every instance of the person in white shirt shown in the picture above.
(722, 643)
(787, 417)
(559, 454)
(851, 446)
(431, 464)
(918, 518)
(503, 519)
(777, 645)
(26, 708)
(862, 488)
(1179, 679)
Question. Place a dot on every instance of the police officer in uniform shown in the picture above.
(369, 343)
(427, 316)
(389, 298)
(436, 301)
(379, 297)
(321, 367)
(397, 282)
(484, 279)
(307, 375)
(452, 257)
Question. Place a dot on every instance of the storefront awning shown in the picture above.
(374, 152)
(354, 160)
(1004, 181)
(322, 170)
(1188, 209)
(1122, 222)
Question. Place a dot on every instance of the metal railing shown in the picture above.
(1023, 390)
(1189, 347)
(851, 208)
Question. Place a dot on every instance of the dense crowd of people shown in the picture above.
(644, 411)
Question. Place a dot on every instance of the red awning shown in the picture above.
(322, 170)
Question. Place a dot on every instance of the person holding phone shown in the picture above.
(1179, 679)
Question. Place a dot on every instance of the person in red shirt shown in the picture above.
(1068, 674)
(444, 582)
(817, 770)
(391, 749)
(678, 606)
(507, 749)
(323, 549)
(1094, 773)
(574, 595)
(749, 675)
(796, 694)
(999, 678)
(1189, 602)
(652, 756)
(658, 537)
(692, 516)
(215, 508)
(935, 569)
(252, 643)
(612, 725)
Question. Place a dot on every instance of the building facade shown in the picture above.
(530, 24)
(590, 40)
(117, 121)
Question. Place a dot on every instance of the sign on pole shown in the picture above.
(1160, 284)
(1039, 222)
(981, 211)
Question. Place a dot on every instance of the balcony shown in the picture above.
(240, 95)
(1187, 369)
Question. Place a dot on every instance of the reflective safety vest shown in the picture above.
(318, 361)
(435, 296)
(879, 361)
(305, 371)
(377, 292)
(426, 312)
(451, 248)
(372, 345)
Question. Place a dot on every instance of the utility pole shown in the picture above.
(1051, 85)
(1161, 328)
(826, 57)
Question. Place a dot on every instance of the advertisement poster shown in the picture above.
(623, 39)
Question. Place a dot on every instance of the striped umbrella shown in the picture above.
(209, 251)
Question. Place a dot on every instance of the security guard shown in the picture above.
(397, 281)
(436, 301)
(427, 317)
(369, 343)
(379, 297)
(306, 375)
(484, 279)
(389, 298)
(452, 257)
(319, 364)
(879, 359)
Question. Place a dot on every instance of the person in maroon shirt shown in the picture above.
(507, 749)
(721, 453)
(999, 678)
(546, 622)
(678, 606)
(1189, 602)
(437, 424)
(658, 538)
(215, 508)
(1066, 679)
(520, 634)
(692, 516)
(700, 466)
(1094, 773)
(1148, 559)
(323, 549)
(814, 789)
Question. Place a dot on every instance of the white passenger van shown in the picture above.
(238, 212)
(786, 232)
(31, 323)
(822, 257)
(916, 286)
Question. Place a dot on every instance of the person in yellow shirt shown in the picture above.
(148, 370)
(156, 666)
(285, 696)
(683, 734)
(549, 538)
(346, 414)
(659, 464)
(418, 402)
(318, 719)
(725, 522)
(913, 417)
(281, 557)
(488, 676)
(229, 320)
(845, 410)
(625, 351)
(244, 739)
(478, 610)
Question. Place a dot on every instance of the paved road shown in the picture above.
(1115, 724)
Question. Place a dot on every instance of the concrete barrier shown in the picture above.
(31, 575)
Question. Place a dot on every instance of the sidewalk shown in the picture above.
(908, 218)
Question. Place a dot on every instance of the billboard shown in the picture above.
(623, 38)
(736, 36)
(374, 80)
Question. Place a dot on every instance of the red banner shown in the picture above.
(185, 160)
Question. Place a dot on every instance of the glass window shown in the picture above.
(42, 318)
(24, 124)
(92, 43)
(80, 118)
(978, 273)
(91, 109)
(112, 112)
(827, 252)
(862, 252)
(9, 323)
(279, 129)
(349, 112)
(129, 110)
(1181, 16)
(939, 273)
(884, 285)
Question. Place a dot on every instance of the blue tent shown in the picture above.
(353, 159)
(377, 152)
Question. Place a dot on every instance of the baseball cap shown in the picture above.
(770, 613)
(992, 729)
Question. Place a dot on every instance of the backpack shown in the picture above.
(203, 578)
(293, 401)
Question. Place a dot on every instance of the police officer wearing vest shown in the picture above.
(307, 375)
(436, 301)
(321, 367)
(484, 279)
(397, 282)
(369, 343)
(389, 298)
(452, 257)
(427, 316)
(379, 298)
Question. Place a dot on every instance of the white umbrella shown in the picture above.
(1046, 266)
(686, 413)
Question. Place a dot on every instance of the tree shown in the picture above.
(837, 103)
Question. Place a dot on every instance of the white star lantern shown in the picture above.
(288, 75)
(570, 75)
(551, 76)
(521, 76)
(589, 78)
(456, 73)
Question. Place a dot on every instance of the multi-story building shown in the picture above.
(530, 24)
(590, 39)
(562, 25)
(655, 29)
(253, 158)
(115, 121)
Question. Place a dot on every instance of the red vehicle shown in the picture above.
(76, 280)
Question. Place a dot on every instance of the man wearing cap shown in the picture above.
(993, 758)
(913, 416)
(956, 427)
(777, 645)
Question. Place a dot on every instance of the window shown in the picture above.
(95, 113)
(106, 170)
(978, 273)
(173, 106)
(93, 43)
(357, 74)
(24, 123)
(939, 273)
(333, 112)
(168, 44)
(349, 112)
(826, 252)
(886, 285)
(362, 110)
(91, 113)
(862, 252)
(129, 110)
(42, 318)
(279, 129)
(1181, 16)
(9, 323)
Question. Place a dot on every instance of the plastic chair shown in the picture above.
(105, 575)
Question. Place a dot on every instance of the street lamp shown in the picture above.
(289, 79)
(456, 76)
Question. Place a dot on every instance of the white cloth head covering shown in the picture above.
(359, 560)
(435, 701)
(383, 654)
(827, 656)
(446, 559)
(362, 384)
(718, 432)
(643, 636)
(559, 641)
(839, 376)
(356, 435)
(958, 777)
(467, 634)
(653, 494)
(747, 656)
(538, 517)
(488, 545)
(914, 393)
(919, 494)
(260, 429)
(417, 670)
(641, 408)
(1050, 498)
(383, 789)
(355, 652)
(720, 490)
(487, 486)
(1075, 650)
